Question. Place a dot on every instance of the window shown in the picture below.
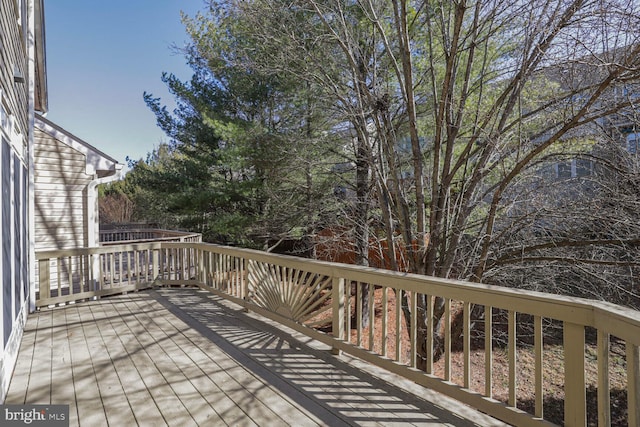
(564, 170)
(583, 167)
(575, 168)
(633, 139)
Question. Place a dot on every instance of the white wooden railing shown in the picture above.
(314, 296)
(140, 235)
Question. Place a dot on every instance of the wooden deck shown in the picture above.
(184, 357)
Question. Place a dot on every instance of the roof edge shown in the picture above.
(97, 161)
(39, 40)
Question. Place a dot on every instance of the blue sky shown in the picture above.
(101, 57)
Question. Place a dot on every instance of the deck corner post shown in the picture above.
(338, 302)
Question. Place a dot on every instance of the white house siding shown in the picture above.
(16, 83)
(67, 171)
(61, 186)
(13, 57)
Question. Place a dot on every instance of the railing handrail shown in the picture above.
(582, 311)
(59, 253)
(618, 320)
(141, 235)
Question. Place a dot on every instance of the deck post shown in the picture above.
(338, 297)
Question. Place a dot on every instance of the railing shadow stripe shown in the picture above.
(272, 365)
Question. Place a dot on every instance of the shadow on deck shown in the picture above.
(186, 357)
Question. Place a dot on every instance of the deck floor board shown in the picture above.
(182, 357)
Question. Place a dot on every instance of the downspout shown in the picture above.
(93, 230)
(30, 147)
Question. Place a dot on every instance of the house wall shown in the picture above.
(14, 181)
(13, 56)
(61, 185)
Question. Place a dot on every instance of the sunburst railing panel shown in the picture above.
(295, 294)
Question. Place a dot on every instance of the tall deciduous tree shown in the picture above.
(458, 117)
(482, 93)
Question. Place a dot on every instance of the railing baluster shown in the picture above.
(575, 407)
(227, 273)
(398, 324)
(81, 273)
(141, 273)
(188, 264)
(447, 339)
(234, 277)
(512, 354)
(538, 349)
(243, 279)
(372, 315)
(100, 281)
(359, 313)
(91, 272)
(206, 268)
(178, 264)
(127, 266)
(137, 266)
(77, 269)
(112, 272)
(251, 281)
(69, 276)
(337, 288)
(604, 399)
(488, 351)
(347, 308)
(429, 326)
(413, 333)
(466, 344)
(131, 267)
(384, 342)
(157, 256)
(120, 268)
(633, 383)
(58, 284)
(218, 273)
